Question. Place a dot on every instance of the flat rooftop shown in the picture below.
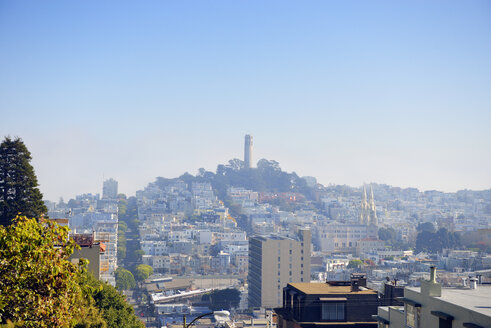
(477, 300)
(322, 288)
(272, 237)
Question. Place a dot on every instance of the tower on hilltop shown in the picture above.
(248, 151)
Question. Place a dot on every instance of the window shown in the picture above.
(290, 273)
(332, 311)
(412, 316)
(290, 251)
(279, 259)
(382, 323)
(444, 319)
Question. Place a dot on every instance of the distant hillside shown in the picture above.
(267, 177)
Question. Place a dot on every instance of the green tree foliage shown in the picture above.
(435, 242)
(224, 299)
(476, 240)
(38, 285)
(19, 191)
(143, 271)
(268, 176)
(124, 279)
(128, 237)
(117, 313)
(122, 204)
(121, 253)
(138, 254)
(122, 226)
(387, 234)
(353, 264)
(426, 226)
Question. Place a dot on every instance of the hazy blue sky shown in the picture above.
(395, 92)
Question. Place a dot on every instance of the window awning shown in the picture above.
(471, 325)
(333, 299)
(410, 302)
(380, 319)
(442, 315)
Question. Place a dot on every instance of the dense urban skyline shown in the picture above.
(347, 92)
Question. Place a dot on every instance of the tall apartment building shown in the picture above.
(110, 189)
(274, 262)
(248, 151)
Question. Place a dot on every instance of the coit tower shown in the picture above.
(248, 151)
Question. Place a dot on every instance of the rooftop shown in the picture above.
(272, 237)
(321, 288)
(477, 300)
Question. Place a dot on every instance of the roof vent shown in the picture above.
(473, 283)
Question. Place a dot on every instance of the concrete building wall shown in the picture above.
(89, 253)
(460, 314)
(110, 189)
(434, 306)
(273, 263)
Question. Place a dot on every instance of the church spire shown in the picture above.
(364, 217)
(372, 209)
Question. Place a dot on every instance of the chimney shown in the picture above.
(355, 287)
(473, 283)
(433, 274)
(358, 280)
(431, 287)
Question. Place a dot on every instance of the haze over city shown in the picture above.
(348, 92)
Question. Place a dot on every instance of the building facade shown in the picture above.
(433, 306)
(274, 262)
(110, 189)
(337, 304)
